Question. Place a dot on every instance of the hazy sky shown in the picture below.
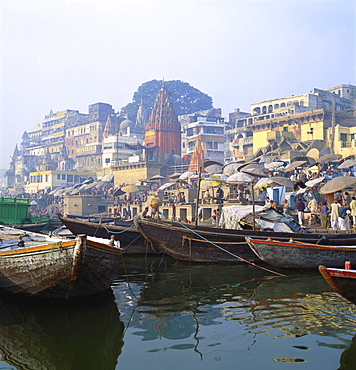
(67, 54)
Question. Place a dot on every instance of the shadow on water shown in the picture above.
(180, 298)
(37, 335)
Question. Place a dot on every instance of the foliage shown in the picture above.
(184, 98)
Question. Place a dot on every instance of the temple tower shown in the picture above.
(163, 131)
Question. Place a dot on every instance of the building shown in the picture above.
(210, 129)
(163, 131)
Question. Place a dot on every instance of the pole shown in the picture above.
(197, 203)
(253, 207)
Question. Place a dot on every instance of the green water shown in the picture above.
(165, 314)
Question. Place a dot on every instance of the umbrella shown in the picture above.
(314, 182)
(254, 169)
(214, 168)
(218, 176)
(118, 192)
(274, 165)
(294, 165)
(309, 160)
(166, 185)
(239, 178)
(329, 158)
(156, 177)
(276, 180)
(337, 184)
(175, 175)
(130, 189)
(348, 163)
(208, 183)
(108, 178)
(89, 180)
(186, 175)
(231, 168)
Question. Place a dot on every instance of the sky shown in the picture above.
(68, 54)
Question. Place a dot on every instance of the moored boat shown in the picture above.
(341, 280)
(131, 241)
(300, 255)
(59, 269)
(208, 244)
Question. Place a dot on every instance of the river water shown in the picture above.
(165, 314)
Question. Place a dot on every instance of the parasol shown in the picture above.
(130, 189)
(214, 168)
(254, 169)
(274, 165)
(186, 175)
(208, 183)
(347, 164)
(156, 177)
(294, 165)
(273, 181)
(166, 185)
(175, 175)
(108, 178)
(329, 158)
(337, 184)
(231, 168)
(314, 182)
(239, 178)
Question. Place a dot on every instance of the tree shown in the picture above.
(184, 98)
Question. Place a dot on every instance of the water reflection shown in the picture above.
(179, 301)
(40, 336)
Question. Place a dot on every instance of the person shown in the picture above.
(219, 195)
(346, 198)
(285, 207)
(274, 205)
(342, 217)
(268, 203)
(334, 216)
(353, 211)
(301, 209)
(216, 217)
(144, 212)
(324, 212)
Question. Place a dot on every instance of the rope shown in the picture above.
(232, 254)
(207, 241)
(117, 232)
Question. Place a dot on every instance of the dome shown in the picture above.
(125, 124)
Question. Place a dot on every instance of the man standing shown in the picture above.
(353, 211)
(300, 208)
(334, 215)
(324, 211)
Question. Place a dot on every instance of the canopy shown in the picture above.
(294, 165)
(231, 168)
(108, 178)
(239, 178)
(254, 169)
(214, 168)
(186, 175)
(337, 184)
(274, 165)
(275, 180)
(314, 182)
(175, 175)
(166, 185)
(208, 183)
(130, 189)
(347, 164)
(156, 177)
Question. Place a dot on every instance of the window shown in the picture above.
(69, 178)
(58, 176)
(63, 177)
(107, 160)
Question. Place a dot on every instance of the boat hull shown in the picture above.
(301, 256)
(341, 281)
(183, 243)
(72, 269)
(131, 241)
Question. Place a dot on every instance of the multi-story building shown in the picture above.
(210, 128)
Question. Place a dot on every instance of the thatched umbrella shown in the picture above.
(337, 184)
(347, 164)
(130, 189)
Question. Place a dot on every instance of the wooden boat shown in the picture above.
(131, 241)
(201, 244)
(62, 269)
(343, 281)
(300, 255)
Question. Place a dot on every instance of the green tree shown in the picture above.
(184, 97)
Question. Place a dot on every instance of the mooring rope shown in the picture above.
(117, 232)
(232, 254)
